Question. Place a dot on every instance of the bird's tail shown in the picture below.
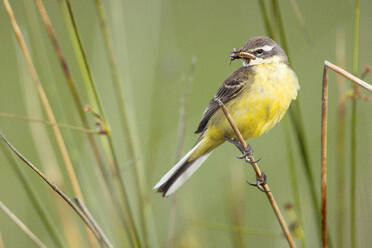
(182, 171)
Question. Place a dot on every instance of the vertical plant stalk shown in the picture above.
(57, 190)
(293, 178)
(358, 82)
(70, 82)
(353, 143)
(266, 19)
(295, 116)
(186, 90)
(341, 119)
(266, 187)
(125, 217)
(144, 205)
(323, 157)
(45, 101)
(22, 226)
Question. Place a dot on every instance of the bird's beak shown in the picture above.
(239, 54)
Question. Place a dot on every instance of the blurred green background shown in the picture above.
(154, 43)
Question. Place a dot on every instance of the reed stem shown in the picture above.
(55, 188)
(353, 142)
(357, 82)
(266, 187)
(95, 100)
(144, 204)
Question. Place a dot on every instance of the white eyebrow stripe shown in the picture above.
(266, 48)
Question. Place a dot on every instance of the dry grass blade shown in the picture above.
(358, 82)
(94, 223)
(266, 187)
(22, 226)
(55, 188)
(70, 82)
(140, 181)
(1, 241)
(44, 100)
(92, 92)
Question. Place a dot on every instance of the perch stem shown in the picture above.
(250, 159)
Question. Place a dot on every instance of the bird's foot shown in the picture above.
(260, 182)
(245, 152)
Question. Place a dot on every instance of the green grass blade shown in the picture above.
(353, 227)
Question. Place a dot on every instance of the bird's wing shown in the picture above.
(230, 88)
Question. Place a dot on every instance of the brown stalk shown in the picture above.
(323, 155)
(70, 82)
(58, 191)
(44, 99)
(250, 159)
(1, 241)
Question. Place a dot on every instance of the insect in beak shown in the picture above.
(239, 54)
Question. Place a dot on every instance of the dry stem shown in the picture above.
(94, 223)
(57, 190)
(44, 99)
(358, 82)
(250, 159)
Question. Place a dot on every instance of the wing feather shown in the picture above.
(230, 88)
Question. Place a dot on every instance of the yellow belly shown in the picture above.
(260, 105)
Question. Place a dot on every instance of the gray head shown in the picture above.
(260, 50)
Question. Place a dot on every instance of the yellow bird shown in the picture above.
(257, 95)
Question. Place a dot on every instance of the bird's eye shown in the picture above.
(259, 51)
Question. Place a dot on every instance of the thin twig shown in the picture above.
(54, 187)
(22, 226)
(250, 159)
(323, 155)
(94, 223)
(61, 125)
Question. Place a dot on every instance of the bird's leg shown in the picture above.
(260, 182)
(236, 143)
(245, 152)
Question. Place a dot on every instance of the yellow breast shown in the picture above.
(261, 104)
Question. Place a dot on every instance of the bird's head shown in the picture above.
(260, 50)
